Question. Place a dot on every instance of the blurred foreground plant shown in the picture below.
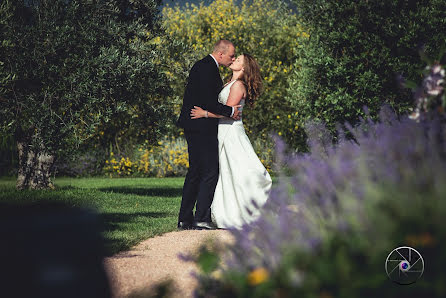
(328, 228)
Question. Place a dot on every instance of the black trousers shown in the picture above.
(201, 178)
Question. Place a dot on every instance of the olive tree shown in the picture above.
(69, 66)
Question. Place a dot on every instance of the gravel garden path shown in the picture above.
(156, 259)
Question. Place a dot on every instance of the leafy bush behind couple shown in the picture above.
(329, 76)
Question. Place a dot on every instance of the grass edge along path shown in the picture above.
(131, 209)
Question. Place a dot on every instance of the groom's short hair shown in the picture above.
(222, 45)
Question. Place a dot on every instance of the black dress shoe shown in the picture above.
(203, 225)
(184, 225)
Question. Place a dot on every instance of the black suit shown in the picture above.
(203, 86)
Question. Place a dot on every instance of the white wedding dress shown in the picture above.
(242, 178)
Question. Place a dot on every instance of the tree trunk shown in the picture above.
(35, 166)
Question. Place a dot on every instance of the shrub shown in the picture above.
(355, 51)
(81, 164)
(168, 158)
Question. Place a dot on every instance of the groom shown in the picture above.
(203, 86)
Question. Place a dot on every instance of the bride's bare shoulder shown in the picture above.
(239, 86)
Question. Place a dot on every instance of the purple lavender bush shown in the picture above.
(330, 223)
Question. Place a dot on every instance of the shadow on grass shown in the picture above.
(151, 192)
(114, 221)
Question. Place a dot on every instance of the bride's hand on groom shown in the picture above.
(237, 113)
(197, 113)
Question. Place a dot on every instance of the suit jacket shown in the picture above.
(202, 89)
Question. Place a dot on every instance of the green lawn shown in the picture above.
(133, 209)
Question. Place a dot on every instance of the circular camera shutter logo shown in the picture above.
(404, 265)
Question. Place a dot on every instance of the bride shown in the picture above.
(243, 184)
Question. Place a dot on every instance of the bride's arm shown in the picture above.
(237, 93)
(198, 112)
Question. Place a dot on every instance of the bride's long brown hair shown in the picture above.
(251, 78)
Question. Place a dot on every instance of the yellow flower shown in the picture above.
(257, 276)
(216, 274)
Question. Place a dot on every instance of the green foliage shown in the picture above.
(208, 260)
(355, 51)
(167, 158)
(71, 68)
(349, 263)
(8, 155)
(5, 45)
(268, 30)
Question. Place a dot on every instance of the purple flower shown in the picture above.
(329, 188)
(186, 257)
